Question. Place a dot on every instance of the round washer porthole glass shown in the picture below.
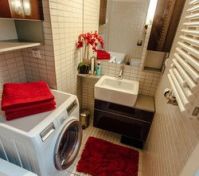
(68, 145)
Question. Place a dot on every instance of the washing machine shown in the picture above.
(45, 143)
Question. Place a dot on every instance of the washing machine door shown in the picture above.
(68, 144)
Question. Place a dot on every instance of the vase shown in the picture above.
(83, 69)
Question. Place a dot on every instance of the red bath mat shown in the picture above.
(102, 158)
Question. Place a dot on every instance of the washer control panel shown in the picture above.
(71, 107)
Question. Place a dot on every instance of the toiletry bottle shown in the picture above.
(92, 64)
(98, 69)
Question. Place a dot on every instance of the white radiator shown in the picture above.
(184, 71)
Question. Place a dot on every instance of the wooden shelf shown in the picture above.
(89, 76)
(15, 45)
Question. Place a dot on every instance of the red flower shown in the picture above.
(79, 44)
(90, 39)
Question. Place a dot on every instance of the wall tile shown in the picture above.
(42, 68)
(11, 67)
(69, 19)
(172, 138)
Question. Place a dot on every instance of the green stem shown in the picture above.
(88, 52)
(85, 51)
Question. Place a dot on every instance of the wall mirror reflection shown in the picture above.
(139, 31)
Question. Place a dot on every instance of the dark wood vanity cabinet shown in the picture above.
(21, 9)
(133, 124)
(4, 9)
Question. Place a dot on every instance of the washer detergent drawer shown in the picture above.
(46, 133)
(121, 124)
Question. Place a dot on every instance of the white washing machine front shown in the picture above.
(46, 143)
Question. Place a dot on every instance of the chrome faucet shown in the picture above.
(120, 76)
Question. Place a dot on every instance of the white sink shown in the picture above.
(119, 91)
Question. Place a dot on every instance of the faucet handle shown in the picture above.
(121, 71)
(122, 67)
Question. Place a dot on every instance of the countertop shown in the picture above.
(89, 76)
(145, 102)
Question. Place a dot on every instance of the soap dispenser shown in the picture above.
(98, 69)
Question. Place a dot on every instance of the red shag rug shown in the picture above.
(102, 158)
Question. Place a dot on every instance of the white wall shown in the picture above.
(125, 26)
(192, 165)
(7, 29)
(11, 63)
(154, 59)
(69, 19)
(43, 68)
(11, 67)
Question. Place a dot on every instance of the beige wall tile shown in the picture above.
(11, 68)
(42, 68)
(69, 19)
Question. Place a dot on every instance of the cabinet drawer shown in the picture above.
(124, 110)
(121, 124)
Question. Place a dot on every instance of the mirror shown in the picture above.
(165, 24)
(133, 29)
(163, 30)
(122, 25)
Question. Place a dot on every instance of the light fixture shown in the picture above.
(27, 7)
(17, 6)
(151, 11)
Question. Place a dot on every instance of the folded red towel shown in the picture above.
(20, 94)
(35, 106)
(102, 54)
(31, 111)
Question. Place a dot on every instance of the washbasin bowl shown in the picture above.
(119, 91)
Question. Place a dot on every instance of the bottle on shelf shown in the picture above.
(98, 69)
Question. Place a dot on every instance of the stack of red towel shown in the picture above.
(23, 99)
(103, 55)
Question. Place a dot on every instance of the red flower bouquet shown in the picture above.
(89, 39)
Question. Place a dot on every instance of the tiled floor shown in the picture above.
(109, 136)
